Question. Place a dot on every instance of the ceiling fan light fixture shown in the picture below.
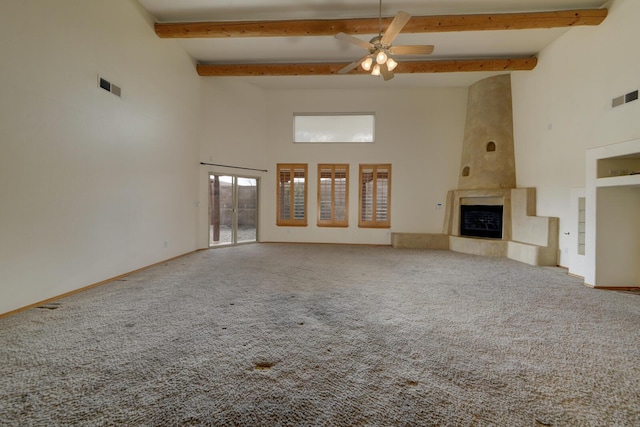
(378, 60)
(366, 64)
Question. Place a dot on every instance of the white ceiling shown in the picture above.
(328, 49)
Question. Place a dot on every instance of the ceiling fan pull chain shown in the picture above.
(380, 19)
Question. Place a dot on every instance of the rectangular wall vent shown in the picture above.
(104, 84)
(624, 99)
(109, 87)
(631, 96)
(115, 90)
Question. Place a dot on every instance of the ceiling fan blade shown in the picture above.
(353, 65)
(411, 50)
(398, 23)
(354, 40)
(386, 73)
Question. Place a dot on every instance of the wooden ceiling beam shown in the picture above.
(417, 24)
(320, 69)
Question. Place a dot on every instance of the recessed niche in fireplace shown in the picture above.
(481, 221)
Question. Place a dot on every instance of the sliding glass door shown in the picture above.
(233, 209)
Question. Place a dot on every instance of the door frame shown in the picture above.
(576, 260)
(235, 201)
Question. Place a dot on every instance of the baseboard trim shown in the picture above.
(93, 285)
(577, 276)
(328, 243)
(617, 288)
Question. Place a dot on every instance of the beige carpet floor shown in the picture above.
(327, 335)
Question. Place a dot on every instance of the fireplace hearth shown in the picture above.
(481, 221)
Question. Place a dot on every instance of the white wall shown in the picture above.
(418, 131)
(91, 185)
(233, 133)
(563, 107)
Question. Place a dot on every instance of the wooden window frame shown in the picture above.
(291, 221)
(374, 223)
(333, 222)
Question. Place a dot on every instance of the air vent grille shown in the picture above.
(109, 87)
(115, 90)
(624, 99)
(104, 84)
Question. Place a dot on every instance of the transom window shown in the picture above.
(333, 195)
(292, 194)
(341, 128)
(375, 196)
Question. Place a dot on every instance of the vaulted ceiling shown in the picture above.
(291, 43)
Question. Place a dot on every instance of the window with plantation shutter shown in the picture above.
(333, 195)
(375, 196)
(292, 195)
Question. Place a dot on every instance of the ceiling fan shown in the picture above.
(380, 60)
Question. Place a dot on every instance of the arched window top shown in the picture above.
(465, 171)
(491, 146)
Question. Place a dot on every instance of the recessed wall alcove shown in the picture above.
(612, 242)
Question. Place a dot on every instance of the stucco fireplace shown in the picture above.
(488, 179)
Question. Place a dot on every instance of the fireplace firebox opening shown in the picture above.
(481, 221)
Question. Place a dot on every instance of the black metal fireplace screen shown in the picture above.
(481, 221)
